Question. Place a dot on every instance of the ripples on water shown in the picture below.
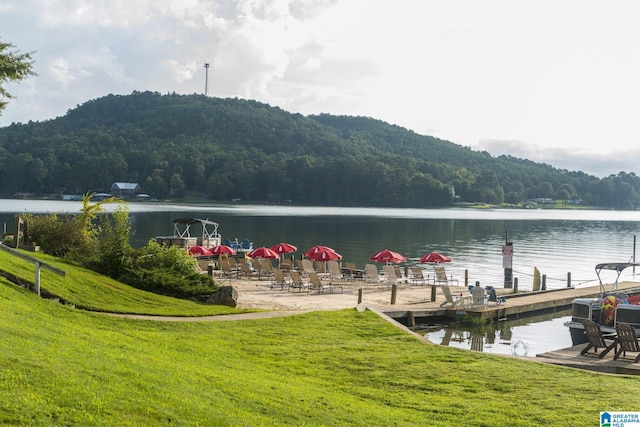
(555, 241)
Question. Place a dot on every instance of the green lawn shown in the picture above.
(64, 366)
(95, 292)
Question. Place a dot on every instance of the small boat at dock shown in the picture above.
(608, 309)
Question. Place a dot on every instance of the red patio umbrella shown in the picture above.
(388, 256)
(324, 254)
(262, 252)
(222, 250)
(199, 250)
(283, 248)
(316, 249)
(434, 258)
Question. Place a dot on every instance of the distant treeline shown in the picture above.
(223, 149)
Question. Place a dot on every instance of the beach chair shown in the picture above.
(627, 340)
(452, 301)
(297, 282)
(315, 284)
(246, 269)
(335, 272)
(441, 277)
(371, 274)
(390, 277)
(596, 339)
(225, 268)
(307, 266)
(279, 279)
(417, 276)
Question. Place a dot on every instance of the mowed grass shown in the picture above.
(64, 366)
(95, 292)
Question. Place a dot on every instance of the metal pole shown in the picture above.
(206, 79)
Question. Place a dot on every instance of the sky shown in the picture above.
(556, 82)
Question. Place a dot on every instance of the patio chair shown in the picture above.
(441, 276)
(478, 297)
(452, 301)
(627, 340)
(297, 282)
(596, 339)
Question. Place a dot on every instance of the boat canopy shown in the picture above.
(210, 236)
(613, 266)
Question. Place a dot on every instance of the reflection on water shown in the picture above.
(522, 337)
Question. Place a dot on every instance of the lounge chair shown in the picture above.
(452, 301)
(417, 277)
(596, 339)
(627, 340)
(279, 279)
(371, 274)
(246, 269)
(315, 284)
(307, 266)
(390, 277)
(441, 276)
(225, 268)
(335, 272)
(297, 282)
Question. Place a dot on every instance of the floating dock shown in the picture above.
(517, 306)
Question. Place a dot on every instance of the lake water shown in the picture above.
(557, 242)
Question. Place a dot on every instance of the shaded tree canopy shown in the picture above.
(177, 145)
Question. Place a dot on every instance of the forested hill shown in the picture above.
(224, 149)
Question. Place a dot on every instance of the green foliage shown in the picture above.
(101, 243)
(57, 235)
(175, 145)
(166, 270)
(14, 66)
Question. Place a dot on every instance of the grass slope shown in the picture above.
(92, 291)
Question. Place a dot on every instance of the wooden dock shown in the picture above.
(517, 305)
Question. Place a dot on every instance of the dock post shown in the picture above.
(360, 296)
(515, 285)
(433, 293)
(544, 283)
(568, 279)
(466, 278)
(394, 291)
(411, 320)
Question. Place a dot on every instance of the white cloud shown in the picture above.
(553, 74)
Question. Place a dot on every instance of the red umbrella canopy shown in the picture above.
(316, 249)
(199, 250)
(283, 248)
(222, 250)
(325, 254)
(388, 256)
(434, 258)
(262, 252)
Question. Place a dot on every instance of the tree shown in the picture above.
(14, 66)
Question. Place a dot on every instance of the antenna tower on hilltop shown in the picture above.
(206, 79)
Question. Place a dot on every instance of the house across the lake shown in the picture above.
(125, 189)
